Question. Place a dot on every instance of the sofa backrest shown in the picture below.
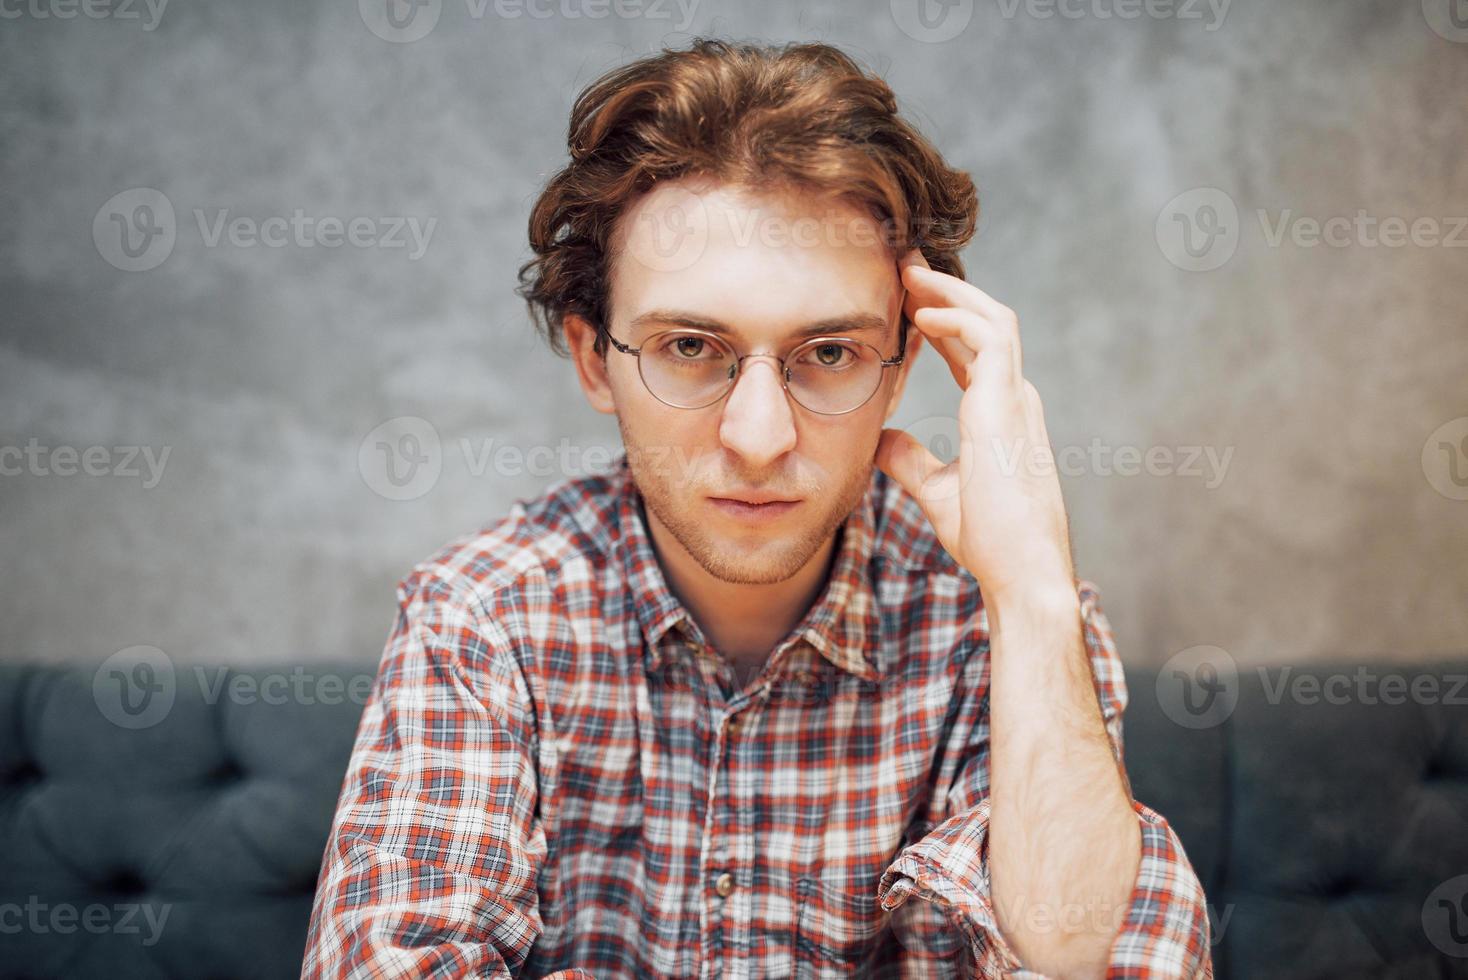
(144, 839)
(187, 846)
(1325, 810)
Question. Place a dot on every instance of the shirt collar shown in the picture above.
(842, 625)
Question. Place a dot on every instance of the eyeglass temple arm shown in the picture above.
(624, 348)
(901, 347)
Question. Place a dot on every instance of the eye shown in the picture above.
(831, 355)
(689, 347)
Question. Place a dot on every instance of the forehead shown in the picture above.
(762, 263)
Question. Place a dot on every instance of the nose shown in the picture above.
(758, 422)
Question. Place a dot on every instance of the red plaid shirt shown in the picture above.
(556, 775)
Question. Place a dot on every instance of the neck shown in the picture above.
(743, 622)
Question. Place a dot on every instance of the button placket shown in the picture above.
(737, 786)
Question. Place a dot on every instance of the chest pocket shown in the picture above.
(837, 933)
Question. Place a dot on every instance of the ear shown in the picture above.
(591, 367)
(914, 344)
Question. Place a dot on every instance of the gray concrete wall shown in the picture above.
(1322, 373)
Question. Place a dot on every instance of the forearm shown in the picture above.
(1065, 845)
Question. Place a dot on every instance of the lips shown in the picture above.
(767, 508)
(756, 499)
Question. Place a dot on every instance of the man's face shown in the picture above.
(764, 270)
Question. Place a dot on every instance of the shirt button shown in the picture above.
(724, 885)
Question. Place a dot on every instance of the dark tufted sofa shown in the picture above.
(1327, 834)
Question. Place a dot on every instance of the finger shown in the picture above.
(971, 338)
(1035, 415)
(955, 355)
(928, 287)
(906, 459)
(915, 257)
(950, 348)
(954, 291)
(925, 477)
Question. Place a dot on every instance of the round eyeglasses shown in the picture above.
(687, 368)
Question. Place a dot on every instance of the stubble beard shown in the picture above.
(776, 558)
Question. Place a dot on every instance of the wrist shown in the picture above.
(1033, 604)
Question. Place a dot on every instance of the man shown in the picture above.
(781, 693)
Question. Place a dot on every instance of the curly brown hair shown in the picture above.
(801, 117)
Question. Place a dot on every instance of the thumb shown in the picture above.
(906, 460)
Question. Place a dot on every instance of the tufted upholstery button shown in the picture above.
(229, 770)
(26, 772)
(126, 882)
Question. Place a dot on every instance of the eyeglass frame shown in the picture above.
(739, 364)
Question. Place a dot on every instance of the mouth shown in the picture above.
(754, 508)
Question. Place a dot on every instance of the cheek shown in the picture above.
(623, 379)
(677, 448)
(847, 443)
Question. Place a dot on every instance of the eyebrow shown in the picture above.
(855, 323)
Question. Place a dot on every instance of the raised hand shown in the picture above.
(998, 513)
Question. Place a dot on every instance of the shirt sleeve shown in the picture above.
(434, 852)
(1166, 930)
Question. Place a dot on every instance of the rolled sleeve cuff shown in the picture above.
(1165, 933)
